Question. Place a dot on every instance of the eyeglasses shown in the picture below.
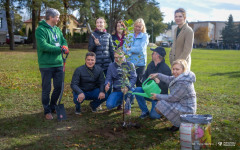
(154, 53)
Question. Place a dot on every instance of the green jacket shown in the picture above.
(49, 55)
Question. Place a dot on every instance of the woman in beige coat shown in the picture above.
(182, 40)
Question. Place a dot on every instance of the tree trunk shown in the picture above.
(33, 23)
(64, 17)
(39, 14)
(9, 24)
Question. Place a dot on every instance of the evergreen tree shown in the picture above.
(229, 32)
(29, 40)
(238, 34)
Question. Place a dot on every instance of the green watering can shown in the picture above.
(149, 87)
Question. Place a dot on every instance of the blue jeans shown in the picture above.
(115, 99)
(90, 95)
(47, 74)
(143, 105)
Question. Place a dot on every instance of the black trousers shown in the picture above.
(55, 73)
(140, 70)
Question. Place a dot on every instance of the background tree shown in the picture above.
(229, 32)
(133, 9)
(201, 35)
(153, 20)
(238, 34)
(169, 25)
(17, 22)
(8, 5)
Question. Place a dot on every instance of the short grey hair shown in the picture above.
(52, 12)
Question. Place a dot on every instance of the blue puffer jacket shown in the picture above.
(138, 49)
(104, 52)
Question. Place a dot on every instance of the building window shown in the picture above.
(0, 22)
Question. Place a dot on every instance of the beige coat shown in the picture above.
(182, 45)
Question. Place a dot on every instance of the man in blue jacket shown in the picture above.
(157, 65)
(117, 71)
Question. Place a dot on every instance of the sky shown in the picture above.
(201, 10)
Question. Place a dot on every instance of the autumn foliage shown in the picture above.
(201, 35)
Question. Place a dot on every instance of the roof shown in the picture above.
(30, 20)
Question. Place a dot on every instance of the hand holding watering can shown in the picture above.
(150, 88)
(154, 77)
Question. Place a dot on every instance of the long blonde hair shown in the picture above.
(140, 20)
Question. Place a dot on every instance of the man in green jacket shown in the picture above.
(50, 44)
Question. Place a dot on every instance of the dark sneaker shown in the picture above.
(144, 115)
(173, 129)
(93, 109)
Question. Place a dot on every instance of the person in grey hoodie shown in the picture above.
(182, 97)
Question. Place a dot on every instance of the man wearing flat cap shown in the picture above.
(157, 65)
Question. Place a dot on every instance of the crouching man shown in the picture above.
(88, 84)
(114, 78)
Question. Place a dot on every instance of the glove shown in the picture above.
(64, 49)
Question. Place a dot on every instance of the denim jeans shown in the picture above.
(47, 74)
(90, 95)
(116, 98)
(143, 106)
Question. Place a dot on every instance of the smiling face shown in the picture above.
(119, 30)
(100, 24)
(118, 58)
(177, 69)
(90, 61)
(138, 28)
(179, 19)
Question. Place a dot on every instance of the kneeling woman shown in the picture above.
(182, 97)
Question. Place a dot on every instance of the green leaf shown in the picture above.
(130, 28)
(117, 42)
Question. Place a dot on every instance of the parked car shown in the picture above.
(17, 39)
(165, 44)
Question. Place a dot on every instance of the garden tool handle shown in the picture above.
(64, 58)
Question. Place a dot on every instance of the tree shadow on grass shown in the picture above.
(90, 130)
(234, 74)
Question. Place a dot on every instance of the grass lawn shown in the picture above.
(22, 123)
